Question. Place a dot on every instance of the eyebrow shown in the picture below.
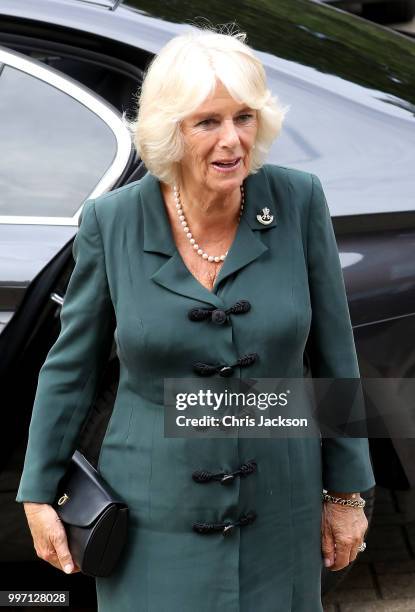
(207, 114)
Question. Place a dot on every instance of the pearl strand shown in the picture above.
(189, 235)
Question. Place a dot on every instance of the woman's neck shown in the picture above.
(207, 212)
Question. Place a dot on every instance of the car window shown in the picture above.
(54, 149)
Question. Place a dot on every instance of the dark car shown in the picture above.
(71, 68)
(381, 11)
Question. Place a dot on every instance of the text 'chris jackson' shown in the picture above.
(233, 421)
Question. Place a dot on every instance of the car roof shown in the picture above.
(350, 84)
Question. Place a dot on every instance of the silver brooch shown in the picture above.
(264, 217)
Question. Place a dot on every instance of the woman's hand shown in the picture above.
(49, 536)
(342, 532)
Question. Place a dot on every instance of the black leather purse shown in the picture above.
(95, 519)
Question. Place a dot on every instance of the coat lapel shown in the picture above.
(247, 246)
(175, 276)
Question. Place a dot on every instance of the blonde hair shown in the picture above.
(181, 77)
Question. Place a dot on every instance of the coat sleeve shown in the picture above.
(330, 347)
(69, 377)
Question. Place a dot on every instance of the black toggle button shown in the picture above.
(199, 314)
(224, 478)
(207, 369)
(240, 307)
(226, 371)
(228, 529)
(227, 478)
(219, 316)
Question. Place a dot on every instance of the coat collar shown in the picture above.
(246, 247)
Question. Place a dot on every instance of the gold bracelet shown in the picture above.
(355, 503)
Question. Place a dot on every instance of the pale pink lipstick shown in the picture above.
(227, 165)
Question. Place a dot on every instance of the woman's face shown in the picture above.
(218, 137)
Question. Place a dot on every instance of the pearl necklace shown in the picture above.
(189, 235)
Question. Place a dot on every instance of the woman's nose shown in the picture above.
(229, 135)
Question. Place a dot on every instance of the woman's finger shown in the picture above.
(49, 537)
(342, 556)
(52, 559)
(327, 543)
(60, 543)
(354, 551)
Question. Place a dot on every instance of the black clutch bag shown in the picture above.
(95, 519)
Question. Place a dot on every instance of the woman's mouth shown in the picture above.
(227, 165)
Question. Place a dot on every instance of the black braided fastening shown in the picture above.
(203, 476)
(246, 360)
(201, 314)
(207, 528)
(240, 307)
(247, 468)
(246, 519)
(207, 369)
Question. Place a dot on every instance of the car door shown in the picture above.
(61, 144)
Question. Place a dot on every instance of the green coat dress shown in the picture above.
(289, 271)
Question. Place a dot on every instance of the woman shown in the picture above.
(208, 226)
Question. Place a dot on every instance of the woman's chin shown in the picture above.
(226, 188)
(227, 182)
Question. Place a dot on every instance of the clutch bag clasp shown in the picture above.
(62, 500)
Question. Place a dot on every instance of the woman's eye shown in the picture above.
(244, 118)
(206, 122)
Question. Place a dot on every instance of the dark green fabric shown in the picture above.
(127, 262)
